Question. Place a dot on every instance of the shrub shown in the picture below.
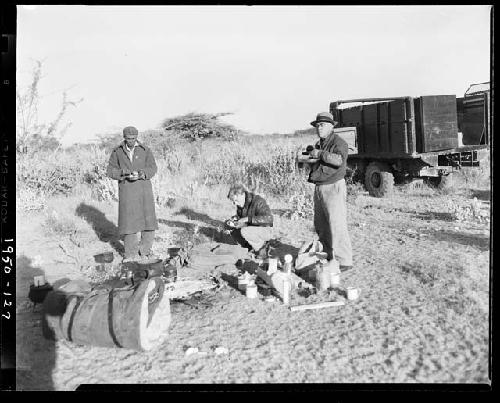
(468, 212)
(195, 126)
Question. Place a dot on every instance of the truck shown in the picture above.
(400, 139)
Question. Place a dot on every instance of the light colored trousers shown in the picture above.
(330, 221)
(257, 236)
(133, 247)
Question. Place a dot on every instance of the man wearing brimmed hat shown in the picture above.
(330, 207)
(133, 165)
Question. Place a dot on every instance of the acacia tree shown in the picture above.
(31, 133)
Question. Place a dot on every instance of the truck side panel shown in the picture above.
(475, 119)
(436, 123)
(383, 127)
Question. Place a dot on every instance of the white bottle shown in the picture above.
(287, 288)
(288, 264)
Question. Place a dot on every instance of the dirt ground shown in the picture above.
(422, 314)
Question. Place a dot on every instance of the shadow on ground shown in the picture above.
(105, 230)
(484, 195)
(434, 216)
(194, 215)
(474, 240)
(36, 355)
(210, 232)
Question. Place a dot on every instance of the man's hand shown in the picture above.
(142, 175)
(243, 222)
(133, 176)
(315, 153)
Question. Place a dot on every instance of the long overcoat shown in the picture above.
(136, 209)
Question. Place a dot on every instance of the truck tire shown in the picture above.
(443, 182)
(379, 180)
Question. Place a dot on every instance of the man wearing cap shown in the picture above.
(330, 208)
(133, 165)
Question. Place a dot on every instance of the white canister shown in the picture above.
(251, 291)
(334, 279)
(39, 281)
(287, 267)
(242, 283)
(287, 288)
(352, 293)
(273, 266)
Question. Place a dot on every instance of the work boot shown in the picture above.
(134, 258)
(345, 268)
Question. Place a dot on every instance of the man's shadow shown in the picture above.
(105, 230)
(194, 215)
(212, 230)
(36, 355)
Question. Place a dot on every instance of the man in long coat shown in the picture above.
(133, 165)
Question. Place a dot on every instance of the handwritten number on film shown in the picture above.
(7, 268)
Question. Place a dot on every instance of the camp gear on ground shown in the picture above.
(251, 291)
(352, 293)
(37, 294)
(316, 306)
(135, 317)
(106, 257)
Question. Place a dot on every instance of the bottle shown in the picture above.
(288, 266)
(334, 269)
(322, 278)
(287, 288)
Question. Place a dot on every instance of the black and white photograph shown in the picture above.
(252, 196)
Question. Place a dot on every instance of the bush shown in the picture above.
(468, 212)
(195, 126)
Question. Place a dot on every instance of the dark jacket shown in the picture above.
(326, 170)
(257, 210)
(136, 210)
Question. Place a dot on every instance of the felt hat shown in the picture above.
(324, 117)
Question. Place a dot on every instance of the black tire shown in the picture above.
(443, 182)
(379, 180)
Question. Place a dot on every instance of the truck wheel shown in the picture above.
(379, 180)
(443, 182)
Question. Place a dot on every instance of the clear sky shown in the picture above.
(275, 67)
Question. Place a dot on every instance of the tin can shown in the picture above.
(251, 291)
(39, 281)
(322, 279)
(352, 293)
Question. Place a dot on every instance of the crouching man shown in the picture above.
(253, 221)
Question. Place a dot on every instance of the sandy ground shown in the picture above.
(422, 315)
